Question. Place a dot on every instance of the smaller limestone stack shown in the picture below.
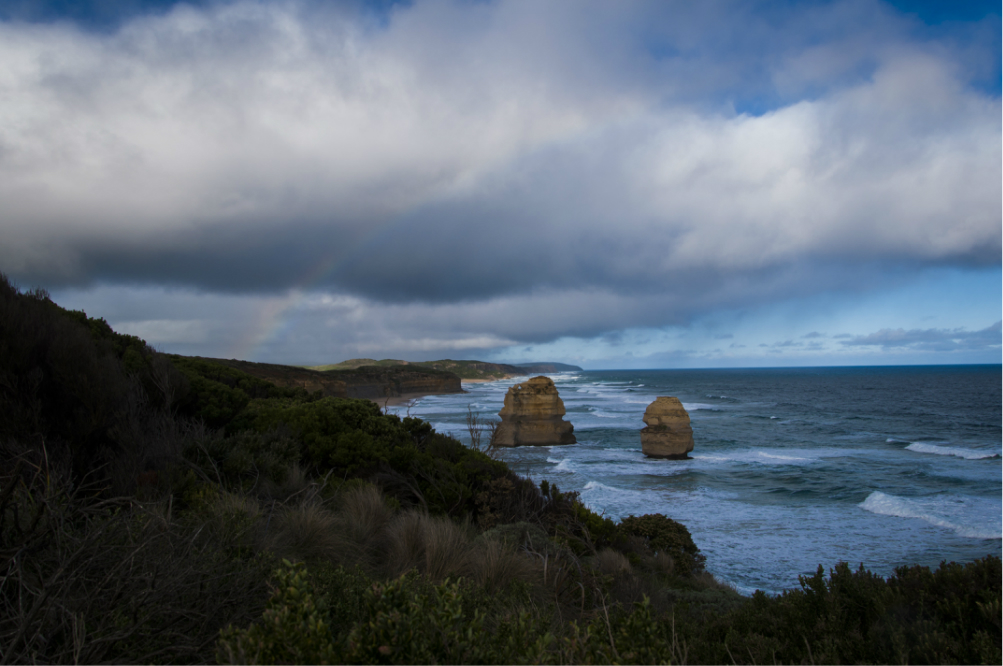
(533, 416)
(668, 434)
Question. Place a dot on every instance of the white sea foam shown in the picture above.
(967, 454)
(597, 486)
(563, 465)
(712, 458)
(693, 406)
(949, 513)
(790, 458)
(774, 457)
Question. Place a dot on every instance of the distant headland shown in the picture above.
(465, 370)
(388, 381)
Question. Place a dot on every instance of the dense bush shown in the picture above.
(88, 581)
(916, 616)
(219, 393)
(407, 620)
(666, 536)
(950, 615)
(72, 387)
(145, 498)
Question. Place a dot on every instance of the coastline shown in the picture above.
(485, 380)
(404, 398)
(397, 401)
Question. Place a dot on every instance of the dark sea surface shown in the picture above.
(792, 468)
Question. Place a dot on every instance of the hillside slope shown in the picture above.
(470, 370)
(369, 381)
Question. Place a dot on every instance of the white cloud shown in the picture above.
(166, 331)
(931, 339)
(511, 170)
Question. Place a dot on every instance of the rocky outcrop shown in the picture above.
(533, 415)
(669, 434)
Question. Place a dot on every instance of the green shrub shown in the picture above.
(245, 459)
(292, 630)
(950, 615)
(667, 536)
(598, 530)
(405, 621)
(218, 394)
(350, 436)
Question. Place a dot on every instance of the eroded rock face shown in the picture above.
(669, 434)
(533, 415)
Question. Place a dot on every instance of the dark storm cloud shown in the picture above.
(533, 169)
(931, 339)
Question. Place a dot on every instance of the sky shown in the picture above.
(629, 184)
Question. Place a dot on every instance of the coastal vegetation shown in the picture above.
(475, 370)
(374, 382)
(159, 508)
(463, 369)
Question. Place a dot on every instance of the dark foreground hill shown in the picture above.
(169, 509)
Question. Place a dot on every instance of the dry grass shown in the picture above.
(306, 532)
(447, 548)
(663, 563)
(435, 546)
(295, 485)
(405, 544)
(310, 529)
(362, 517)
(496, 565)
(610, 562)
(88, 581)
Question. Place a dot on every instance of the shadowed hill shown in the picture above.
(369, 381)
(480, 370)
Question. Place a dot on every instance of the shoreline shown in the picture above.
(404, 398)
(484, 381)
(397, 401)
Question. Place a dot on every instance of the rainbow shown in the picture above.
(275, 318)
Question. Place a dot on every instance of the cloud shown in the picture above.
(534, 171)
(166, 331)
(931, 339)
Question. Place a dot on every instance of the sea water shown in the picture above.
(792, 468)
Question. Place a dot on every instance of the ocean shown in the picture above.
(792, 468)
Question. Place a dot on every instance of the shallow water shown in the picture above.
(792, 468)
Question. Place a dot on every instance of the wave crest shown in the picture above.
(967, 454)
(930, 511)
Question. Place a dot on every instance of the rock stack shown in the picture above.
(533, 416)
(668, 434)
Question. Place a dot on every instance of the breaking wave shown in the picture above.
(935, 511)
(967, 454)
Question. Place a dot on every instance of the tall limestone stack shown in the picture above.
(668, 434)
(533, 416)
